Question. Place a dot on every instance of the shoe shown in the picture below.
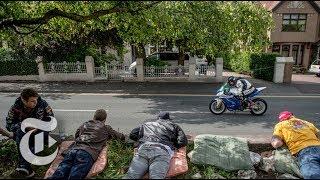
(25, 172)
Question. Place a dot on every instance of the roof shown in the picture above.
(269, 5)
(314, 4)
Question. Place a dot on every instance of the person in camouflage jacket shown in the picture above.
(28, 105)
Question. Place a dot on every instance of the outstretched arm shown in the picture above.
(6, 133)
(276, 142)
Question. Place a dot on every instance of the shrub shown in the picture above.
(240, 62)
(16, 64)
(153, 61)
(262, 65)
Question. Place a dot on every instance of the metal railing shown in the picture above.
(114, 71)
(78, 67)
(166, 71)
(205, 70)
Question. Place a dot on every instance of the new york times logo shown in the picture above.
(26, 153)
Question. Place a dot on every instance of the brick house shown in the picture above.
(296, 30)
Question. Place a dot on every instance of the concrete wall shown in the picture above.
(312, 28)
(89, 75)
(20, 78)
(283, 70)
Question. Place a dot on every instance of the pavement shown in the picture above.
(301, 85)
(130, 104)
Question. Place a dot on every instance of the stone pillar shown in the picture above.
(219, 69)
(90, 68)
(140, 70)
(306, 56)
(192, 68)
(283, 70)
(42, 75)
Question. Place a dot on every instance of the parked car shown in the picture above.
(171, 58)
(315, 66)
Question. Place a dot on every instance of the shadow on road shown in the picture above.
(199, 113)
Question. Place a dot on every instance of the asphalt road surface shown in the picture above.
(191, 112)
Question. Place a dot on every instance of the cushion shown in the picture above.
(228, 153)
(97, 167)
(286, 163)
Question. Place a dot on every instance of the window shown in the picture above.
(294, 22)
(276, 48)
(285, 50)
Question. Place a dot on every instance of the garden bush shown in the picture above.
(16, 64)
(262, 65)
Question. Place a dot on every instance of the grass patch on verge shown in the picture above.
(119, 159)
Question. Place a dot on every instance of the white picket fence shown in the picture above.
(116, 71)
(166, 71)
(205, 70)
(113, 71)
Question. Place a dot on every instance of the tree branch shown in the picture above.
(16, 29)
(14, 23)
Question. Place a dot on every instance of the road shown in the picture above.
(189, 111)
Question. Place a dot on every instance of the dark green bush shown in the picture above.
(237, 61)
(153, 61)
(262, 65)
(13, 63)
(240, 62)
(18, 67)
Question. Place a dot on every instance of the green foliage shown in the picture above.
(119, 158)
(9, 159)
(7, 151)
(240, 62)
(101, 59)
(262, 65)
(210, 27)
(14, 63)
(153, 61)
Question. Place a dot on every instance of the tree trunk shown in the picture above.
(181, 56)
(141, 52)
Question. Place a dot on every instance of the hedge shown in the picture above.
(13, 63)
(18, 67)
(258, 65)
(262, 65)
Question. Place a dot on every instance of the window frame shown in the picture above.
(290, 19)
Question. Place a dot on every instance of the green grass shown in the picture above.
(119, 158)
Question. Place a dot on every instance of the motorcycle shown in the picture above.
(226, 100)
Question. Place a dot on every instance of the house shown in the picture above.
(296, 30)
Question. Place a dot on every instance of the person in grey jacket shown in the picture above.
(157, 142)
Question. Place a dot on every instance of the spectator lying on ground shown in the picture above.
(302, 139)
(90, 139)
(28, 105)
(157, 142)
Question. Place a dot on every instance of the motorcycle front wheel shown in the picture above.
(217, 106)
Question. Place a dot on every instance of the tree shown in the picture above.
(210, 28)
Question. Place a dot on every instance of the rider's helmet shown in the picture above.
(285, 115)
(232, 81)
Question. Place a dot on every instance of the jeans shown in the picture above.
(76, 165)
(309, 162)
(149, 158)
(18, 134)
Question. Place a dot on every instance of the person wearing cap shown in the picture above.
(302, 139)
(157, 141)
